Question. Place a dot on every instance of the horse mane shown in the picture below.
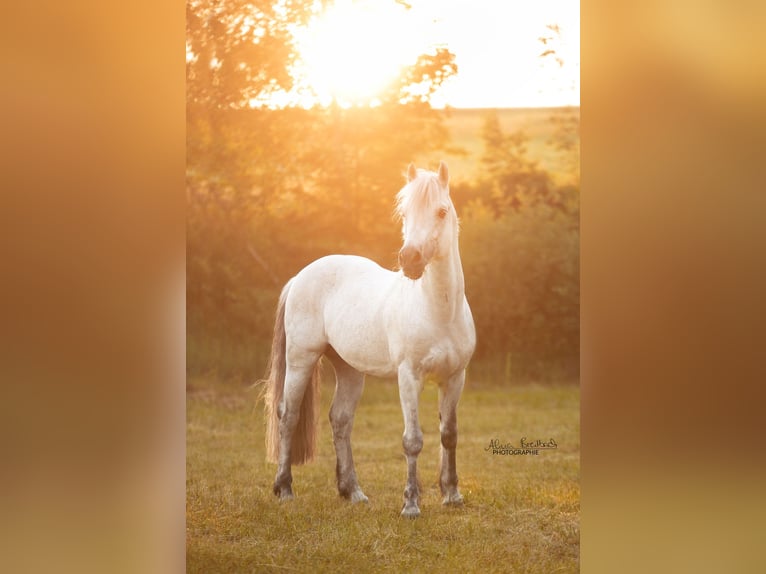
(422, 193)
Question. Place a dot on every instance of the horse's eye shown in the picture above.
(442, 213)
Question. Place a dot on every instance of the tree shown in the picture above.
(271, 189)
(239, 50)
(522, 280)
(520, 246)
(511, 178)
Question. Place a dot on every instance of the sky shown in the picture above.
(496, 43)
(497, 48)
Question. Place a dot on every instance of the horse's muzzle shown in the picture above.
(411, 261)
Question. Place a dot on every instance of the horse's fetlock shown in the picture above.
(411, 492)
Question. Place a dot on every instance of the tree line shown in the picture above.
(269, 190)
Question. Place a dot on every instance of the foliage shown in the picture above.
(511, 178)
(542, 128)
(520, 245)
(239, 50)
(419, 82)
(523, 287)
(285, 187)
(269, 190)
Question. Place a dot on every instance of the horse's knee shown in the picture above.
(449, 437)
(413, 443)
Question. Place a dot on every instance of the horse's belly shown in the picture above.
(362, 344)
(363, 364)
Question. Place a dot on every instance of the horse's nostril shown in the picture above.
(410, 256)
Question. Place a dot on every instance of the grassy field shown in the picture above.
(521, 513)
(465, 127)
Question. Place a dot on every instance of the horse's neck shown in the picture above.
(444, 285)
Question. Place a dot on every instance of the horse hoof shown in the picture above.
(453, 500)
(285, 496)
(358, 496)
(410, 512)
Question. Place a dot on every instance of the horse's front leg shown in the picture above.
(449, 395)
(410, 387)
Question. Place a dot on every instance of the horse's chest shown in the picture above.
(441, 358)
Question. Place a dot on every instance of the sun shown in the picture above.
(353, 51)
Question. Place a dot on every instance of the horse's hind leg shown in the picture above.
(449, 394)
(348, 390)
(297, 379)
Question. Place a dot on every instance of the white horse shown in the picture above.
(414, 324)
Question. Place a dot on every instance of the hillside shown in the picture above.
(538, 124)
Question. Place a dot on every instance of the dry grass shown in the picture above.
(521, 512)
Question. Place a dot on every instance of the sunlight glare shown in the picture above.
(353, 51)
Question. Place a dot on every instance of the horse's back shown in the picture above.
(329, 275)
(343, 263)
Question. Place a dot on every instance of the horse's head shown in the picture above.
(429, 220)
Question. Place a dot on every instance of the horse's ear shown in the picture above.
(443, 174)
(412, 173)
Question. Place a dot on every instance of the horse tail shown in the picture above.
(303, 445)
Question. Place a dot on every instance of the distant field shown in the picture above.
(465, 129)
(521, 512)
